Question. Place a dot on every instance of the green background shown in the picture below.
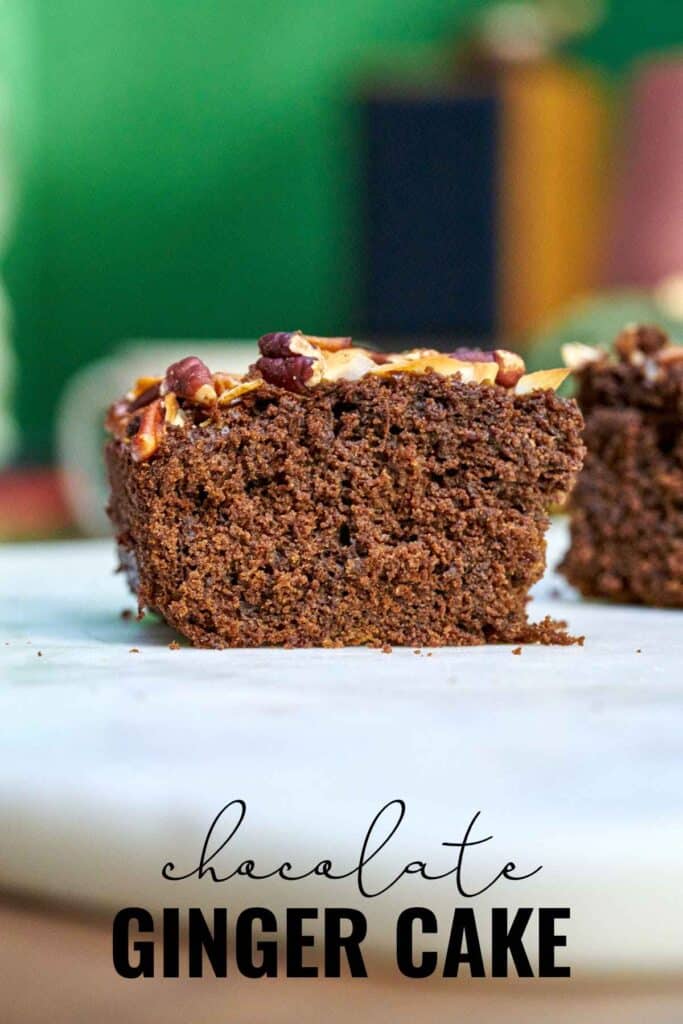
(189, 168)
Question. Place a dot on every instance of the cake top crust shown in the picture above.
(190, 394)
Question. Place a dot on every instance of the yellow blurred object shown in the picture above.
(554, 133)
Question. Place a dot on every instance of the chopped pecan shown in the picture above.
(150, 431)
(289, 360)
(190, 378)
(145, 396)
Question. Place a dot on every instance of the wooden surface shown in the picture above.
(57, 967)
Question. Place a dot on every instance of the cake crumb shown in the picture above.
(134, 650)
(638, 650)
(174, 645)
(39, 653)
(126, 614)
(386, 649)
(429, 653)
(517, 650)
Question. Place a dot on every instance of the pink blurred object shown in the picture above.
(646, 244)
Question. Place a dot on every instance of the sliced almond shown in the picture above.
(225, 381)
(173, 414)
(484, 371)
(329, 344)
(243, 388)
(442, 364)
(347, 364)
(576, 355)
(541, 380)
(141, 385)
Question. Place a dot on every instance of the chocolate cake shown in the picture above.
(333, 496)
(627, 507)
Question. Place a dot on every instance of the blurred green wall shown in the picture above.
(187, 167)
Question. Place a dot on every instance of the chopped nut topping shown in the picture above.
(239, 389)
(225, 381)
(575, 355)
(173, 414)
(297, 362)
(150, 432)
(190, 378)
(442, 364)
(329, 344)
(347, 364)
(289, 360)
(541, 380)
(670, 354)
(639, 340)
(510, 367)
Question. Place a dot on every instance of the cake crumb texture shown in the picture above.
(397, 510)
(627, 507)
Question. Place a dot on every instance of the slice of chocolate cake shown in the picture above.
(627, 507)
(335, 497)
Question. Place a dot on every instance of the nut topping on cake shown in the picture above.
(347, 364)
(190, 378)
(329, 344)
(541, 380)
(290, 361)
(639, 340)
(576, 355)
(296, 362)
(670, 354)
(173, 414)
(150, 432)
(145, 391)
(238, 389)
(510, 367)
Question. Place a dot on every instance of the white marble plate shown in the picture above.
(114, 763)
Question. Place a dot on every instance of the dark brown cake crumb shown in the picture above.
(39, 653)
(627, 508)
(174, 645)
(134, 650)
(402, 509)
(126, 614)
(517, 650)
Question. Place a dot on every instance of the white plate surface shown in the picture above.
(114, 763)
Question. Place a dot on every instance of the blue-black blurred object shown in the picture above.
(430, 216)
